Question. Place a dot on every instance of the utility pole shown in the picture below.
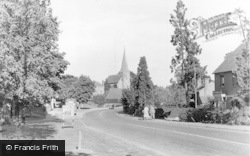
(195, 89)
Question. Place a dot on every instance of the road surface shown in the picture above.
(164, 138)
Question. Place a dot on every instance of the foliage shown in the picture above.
(84, 89)
(185, 61)
(31, 63)
(176, 95)
(243, 69)
(160, 96)
(80, 88)
(142, 85)
(99, 99)
(67, 86)
(128, 101)
(217, 115)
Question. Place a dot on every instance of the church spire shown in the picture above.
(124, 67)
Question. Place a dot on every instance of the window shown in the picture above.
(222, 80)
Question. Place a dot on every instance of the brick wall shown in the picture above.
(229, 88)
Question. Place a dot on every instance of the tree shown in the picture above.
(84, 89)
(243, 70)
(142, 84)
(185, 64)
(67, 86)
(128, 101)
(159, 96)
(29, 56)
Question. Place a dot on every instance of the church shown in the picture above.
(115, 83)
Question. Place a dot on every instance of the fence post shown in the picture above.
(80, 140)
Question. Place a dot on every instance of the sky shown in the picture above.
(94, 34)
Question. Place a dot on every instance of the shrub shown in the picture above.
(99, 99)
(128, 101)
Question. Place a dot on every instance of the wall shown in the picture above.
(126, 81)
(228, 88)
(207, 91)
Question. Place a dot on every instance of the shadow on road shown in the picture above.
(78, 154)
(85, 108)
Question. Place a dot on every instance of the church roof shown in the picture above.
(114, 93)
(114, 78)
(229, 63)
(124, 67)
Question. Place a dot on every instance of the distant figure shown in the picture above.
(146, 113)
(152, 111)
(52, 102)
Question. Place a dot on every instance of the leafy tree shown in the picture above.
(67, 86)
(243, 70)
(175, 95)
(128, 101)
(185, 62)
(84, 89)
(142, 84)
(29, 56)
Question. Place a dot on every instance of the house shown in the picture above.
(226, 84)
(99, 88)
(205, 88)
(115, 83)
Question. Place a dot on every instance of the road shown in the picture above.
(164, 138)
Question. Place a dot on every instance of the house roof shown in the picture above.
(114, 93)
(229, 63)
(114, 78)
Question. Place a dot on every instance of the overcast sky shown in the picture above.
(94, 33)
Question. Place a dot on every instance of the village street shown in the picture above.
(167, 138)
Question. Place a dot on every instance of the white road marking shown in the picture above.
(125, 140)
(201, 136)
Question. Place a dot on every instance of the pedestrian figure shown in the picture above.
(152, 111)
(146, 113)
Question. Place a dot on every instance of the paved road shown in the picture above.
(164, 138)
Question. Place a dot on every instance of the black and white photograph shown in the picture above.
(124, 78)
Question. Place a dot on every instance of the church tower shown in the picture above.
(125, 72)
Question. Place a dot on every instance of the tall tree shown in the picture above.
(29, 56)
(242, 68)
(185, 64)
(84, 89)
(67, 86)
(143, 85)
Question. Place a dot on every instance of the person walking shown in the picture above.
(152, 111)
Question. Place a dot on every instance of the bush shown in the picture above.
(205, 115)
(99, 99)
(128, 101)
(217, 115)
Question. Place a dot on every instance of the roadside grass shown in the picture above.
(38, 125)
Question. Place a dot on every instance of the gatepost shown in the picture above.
(68, 114)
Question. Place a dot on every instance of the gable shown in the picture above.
(229, 63)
